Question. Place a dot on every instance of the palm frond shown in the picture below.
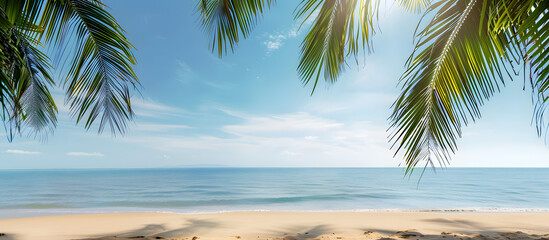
(456, 65)
(25, 96)
(414, 5)
(533, 32)
(333, 36)
(22, 15)
(226, 20)
(526, 21)
(101, 71)
(39, 109)
(338, 34)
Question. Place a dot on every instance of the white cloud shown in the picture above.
(311, 138)
(289, 153)
(149, 104)
(16, 151)
(274, 42)
(294, 139)
(150, 108)
(288, 123)
(156, 127)
(85, 154)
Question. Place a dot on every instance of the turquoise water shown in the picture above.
(50, 192)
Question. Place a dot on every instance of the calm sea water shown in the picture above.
(48, 192)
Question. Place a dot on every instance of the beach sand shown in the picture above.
(281, 225)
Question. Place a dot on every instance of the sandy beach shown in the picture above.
(281, 225)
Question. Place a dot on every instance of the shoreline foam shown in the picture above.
(44, 212)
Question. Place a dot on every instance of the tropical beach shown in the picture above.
(274, 120)
(268, 203)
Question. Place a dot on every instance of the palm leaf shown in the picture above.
(25, 96)
(526, 21)
(333, 36)
(226, 20)
(455, 66)
(24, 79)
(101, 71)
(337, 33)
(533, 32)
(40, 112)
(414, 5)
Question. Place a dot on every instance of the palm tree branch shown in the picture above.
(99, 76)
(226, 20)
(337, 34)
(39, 109)
(455, 66)
(527, 22)
(324, 47)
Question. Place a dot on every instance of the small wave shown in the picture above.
(241, 201)
(465, 210)
(489, 210)
(36, 206)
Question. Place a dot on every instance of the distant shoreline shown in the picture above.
(280, 225)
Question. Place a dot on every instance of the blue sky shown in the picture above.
(249, 109)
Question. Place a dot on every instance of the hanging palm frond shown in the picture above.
(533, 31)
(39, 109)
(456, 65)
(336, 34)
(25, 71)
(226, 20)
(333, 36)
(414, 5)
(101, 71)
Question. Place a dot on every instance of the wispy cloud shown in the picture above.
(311, 138)
(151, 108)
(185, 74)
(149, 104)
(157, 127)
(293, 139)
(16, 151)
(85, 154)
(295, 122)
(275, 41)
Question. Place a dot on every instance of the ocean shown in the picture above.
(25, 193)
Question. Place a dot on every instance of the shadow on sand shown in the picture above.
(189, 230)
(192, 229)
(4, 236)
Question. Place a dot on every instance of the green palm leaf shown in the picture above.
(101, 69)
(414, 5)
(338, 30)
(337, 33)
(324, 47)
(456, 66)
(25, 71)
(528, 21)
(226, 20)
(39, 109)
